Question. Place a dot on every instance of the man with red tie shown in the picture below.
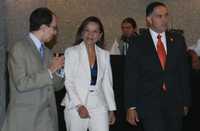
(157, 75)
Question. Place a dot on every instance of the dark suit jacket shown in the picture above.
(144, 76)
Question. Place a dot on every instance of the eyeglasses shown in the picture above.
(93, 32)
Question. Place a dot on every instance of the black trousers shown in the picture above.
(163, 119)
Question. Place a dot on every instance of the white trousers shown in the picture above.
(98, 120)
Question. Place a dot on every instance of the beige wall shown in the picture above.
(17, 17)
(185, 15)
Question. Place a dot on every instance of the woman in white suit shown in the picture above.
(89, 100)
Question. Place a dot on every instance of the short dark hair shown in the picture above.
(130, 21)
(152, 6)
(82, 27)
(40, 16)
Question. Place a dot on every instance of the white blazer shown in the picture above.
(78, 78)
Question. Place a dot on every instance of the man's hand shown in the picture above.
(112, 117)
(132, 117)
(195, 59)
(83, 112)
(56, 63)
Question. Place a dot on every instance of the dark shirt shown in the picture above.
(93, 71)
(126, 42)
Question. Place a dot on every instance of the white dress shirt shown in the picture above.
(155, 39)
(36, 41)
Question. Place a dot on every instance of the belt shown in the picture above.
(91, 90)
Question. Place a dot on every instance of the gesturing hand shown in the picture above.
(56, 63)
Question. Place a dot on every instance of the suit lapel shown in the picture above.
(169, 40)
(34, 48)
(152, 49)
(36, 52)
(98, 59)
(85, 61)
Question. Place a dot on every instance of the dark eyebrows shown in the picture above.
(160, 15)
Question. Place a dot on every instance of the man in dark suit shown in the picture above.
(156, 75)
(129, 32)
(33, 77)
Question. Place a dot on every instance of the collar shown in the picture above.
(154, 37)
(36, 41)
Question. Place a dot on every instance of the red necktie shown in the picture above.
(162, 56)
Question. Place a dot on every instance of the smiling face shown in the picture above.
(158, 20)
(91, 33)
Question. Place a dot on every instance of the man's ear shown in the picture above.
(148, 19)
(43, 27)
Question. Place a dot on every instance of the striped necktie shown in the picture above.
(42, 48)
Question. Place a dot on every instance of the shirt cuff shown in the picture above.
(60, 73)
(50, 74)
(132, 108)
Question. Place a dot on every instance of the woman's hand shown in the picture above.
(83, 112)
(112, 117)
